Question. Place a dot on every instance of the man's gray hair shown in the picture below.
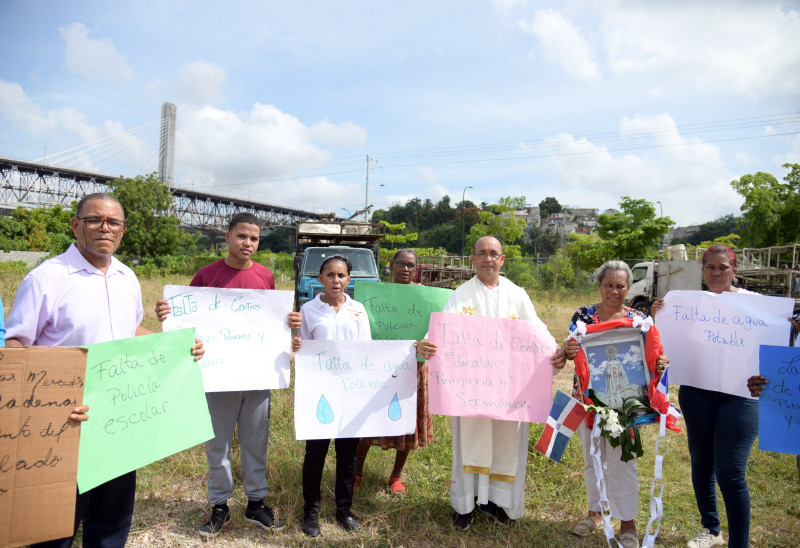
(614, 265)
(97, 196)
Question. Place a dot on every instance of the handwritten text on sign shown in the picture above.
(779, 403)
(490, 367)
(355, 389)
(712, 339)
(39, 388)
(244, 333)
(400, 312)
(146, 402)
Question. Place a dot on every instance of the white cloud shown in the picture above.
(263, 154)
(269, 155)
(200, 83)
(562, 44)
(739, 47)
(95, 58)
(688, 176)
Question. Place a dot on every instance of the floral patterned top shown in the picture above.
(588, 315)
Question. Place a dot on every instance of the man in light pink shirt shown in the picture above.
(86, 296)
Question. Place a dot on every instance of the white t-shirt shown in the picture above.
(321, 322)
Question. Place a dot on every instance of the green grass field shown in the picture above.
(171, 497)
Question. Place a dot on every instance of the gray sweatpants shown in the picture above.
(250, 409)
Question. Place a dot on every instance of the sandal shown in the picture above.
(356, 482)
(397, 485)
(584, 527)
(629, 540)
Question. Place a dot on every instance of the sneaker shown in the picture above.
(462, 521)
(264, 517)
(501, 517)
(219, 519)
(706, 539)
(494, 513)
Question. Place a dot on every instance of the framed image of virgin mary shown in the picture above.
(617, 367)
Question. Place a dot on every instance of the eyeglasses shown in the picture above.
(402, 264)
(493, 255)
(96, 223)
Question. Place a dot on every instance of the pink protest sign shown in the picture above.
(490, 367)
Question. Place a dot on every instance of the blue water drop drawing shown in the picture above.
(394, 409)
(324, 411)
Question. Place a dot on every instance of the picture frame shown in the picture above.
(617, 366)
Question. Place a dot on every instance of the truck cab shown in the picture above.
(308, 285)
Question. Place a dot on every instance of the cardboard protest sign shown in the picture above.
(147, 402)
(400, 312)
(779, 402)
(39, 388)
(244, 333)
(712, 340)
(496, 368)
(355, 389)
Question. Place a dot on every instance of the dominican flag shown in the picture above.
(659, 399)
(566, 415)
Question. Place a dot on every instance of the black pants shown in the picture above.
(106, 512)
(314, 462)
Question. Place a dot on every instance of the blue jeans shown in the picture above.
(721, 429)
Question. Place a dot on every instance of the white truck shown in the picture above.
(652, 280)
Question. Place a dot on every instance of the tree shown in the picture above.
(722, 226)
(498, 220)
(590, 250)
(771, 209)
(152, 231)
(277, 240)
(541, 241)
(398, 238)
(548, 206)
(39, 229)
(447, 236)
(634, 231)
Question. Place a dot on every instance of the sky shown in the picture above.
(283, 102)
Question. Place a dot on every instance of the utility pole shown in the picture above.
(463, 195)
(366, 192)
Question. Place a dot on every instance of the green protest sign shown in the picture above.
(400, 312)
(146, 402)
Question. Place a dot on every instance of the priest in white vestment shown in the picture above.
(490, 456)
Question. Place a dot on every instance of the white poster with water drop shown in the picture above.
(355, 389)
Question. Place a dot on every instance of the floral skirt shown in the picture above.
(424, 432)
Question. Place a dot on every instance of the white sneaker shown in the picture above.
(705, 540)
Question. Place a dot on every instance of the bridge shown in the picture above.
(34, 184)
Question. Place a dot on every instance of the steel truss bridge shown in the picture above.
(31, 184)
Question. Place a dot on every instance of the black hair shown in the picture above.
(342, 258)
(404, 250)
(98, 196)
(243, 217)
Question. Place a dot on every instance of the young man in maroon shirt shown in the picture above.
(250, 408)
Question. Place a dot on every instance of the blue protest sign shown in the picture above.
(779, 403)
